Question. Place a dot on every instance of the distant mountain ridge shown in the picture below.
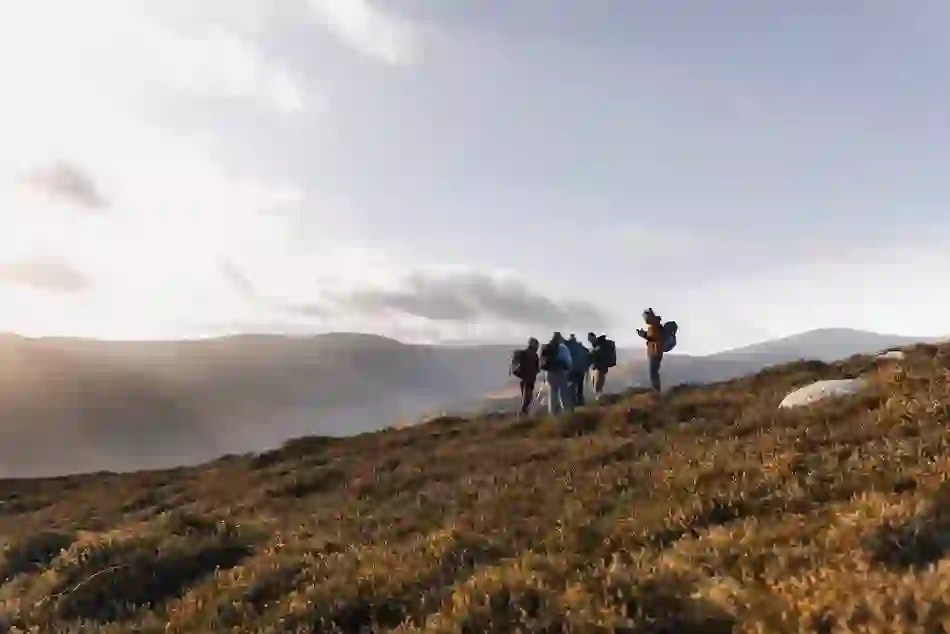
(69, 405)
(825, 344)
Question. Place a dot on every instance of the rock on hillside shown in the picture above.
(820, 390)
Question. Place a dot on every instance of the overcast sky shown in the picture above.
(471, 170)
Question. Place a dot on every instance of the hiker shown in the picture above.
(580, 363)
(655, 340)
(603, 356)
(557, 366)
(525, 366)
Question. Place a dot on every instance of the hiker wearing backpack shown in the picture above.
(580, 362)
(525, 366)
(603, 356)
(660, 338)
(557, 365)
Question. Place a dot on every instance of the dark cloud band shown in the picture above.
(51, 275)
(470, 297)
(68, 182)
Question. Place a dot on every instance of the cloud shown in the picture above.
(370, 30)
(648, 241)
(472, 297)
(68, 182)
(221, 63)
(238, 280)
(159, 60)
(51, 275)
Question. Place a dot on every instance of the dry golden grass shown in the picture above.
(710, 511)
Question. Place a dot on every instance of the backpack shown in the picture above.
(517, 363)
(580, 356)
(608, 353)
(549, 358)
(669, 335)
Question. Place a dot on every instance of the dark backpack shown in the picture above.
(517, 363)
(580, 356)
(549, 358)
(669, 335)
(607, 352)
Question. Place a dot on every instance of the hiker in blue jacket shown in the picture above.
(557, 365)
(580, 362)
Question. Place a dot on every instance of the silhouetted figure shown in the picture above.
(603, 356)
(525, 365)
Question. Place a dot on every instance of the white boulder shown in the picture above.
(897, 355)
(822, 390)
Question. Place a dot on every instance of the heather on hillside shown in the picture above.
(708, 511)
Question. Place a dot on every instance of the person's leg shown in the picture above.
(567, 393)
(579, 389)
(655, 373)
(597, 379)
(554, 392)
(527, 394)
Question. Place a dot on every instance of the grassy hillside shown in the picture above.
(711, 511)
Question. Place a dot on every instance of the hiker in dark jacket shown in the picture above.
(527, 374)
(580, 361)
(654, 338)
(598, 363)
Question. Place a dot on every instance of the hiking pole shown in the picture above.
(536, 401)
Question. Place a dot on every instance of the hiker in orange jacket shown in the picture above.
(654, 338)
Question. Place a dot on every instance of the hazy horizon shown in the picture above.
(457, 171)
(632, 343)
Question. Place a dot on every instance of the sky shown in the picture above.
(466, 170)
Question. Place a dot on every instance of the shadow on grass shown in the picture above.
(31, 553)
(301, 485)
(918, 543)
(717, 513)
(294, 449)
(388, 602)
(664, 611)
(144, 579)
